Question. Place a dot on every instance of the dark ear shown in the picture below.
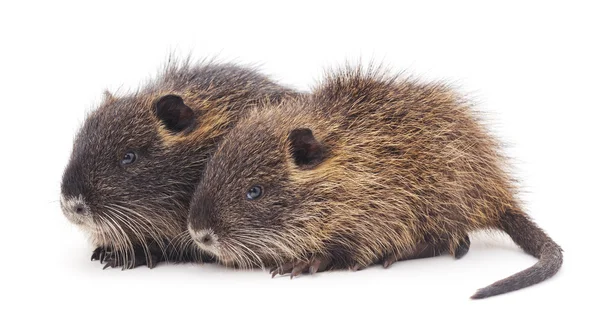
(306, 150)
(175, 115)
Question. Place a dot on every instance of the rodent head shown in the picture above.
(129, 170)
(137, 159)
(249, 197)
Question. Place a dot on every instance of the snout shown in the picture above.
(75, 209)
(206, 239)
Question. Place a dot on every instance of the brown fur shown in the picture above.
(366, 169)
(136, 214)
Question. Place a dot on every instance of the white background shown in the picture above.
(532, 67)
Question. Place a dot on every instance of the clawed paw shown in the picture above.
(462, 248)
(314, 265)
(149, 255)
(389, 260)
(112, 263)
(103, 254)
(98, 254)
(108, 257)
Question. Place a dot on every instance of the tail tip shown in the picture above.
(481, 293)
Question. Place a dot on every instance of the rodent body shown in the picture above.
(367, 169)
(137, 159)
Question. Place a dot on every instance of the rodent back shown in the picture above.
(398, 162)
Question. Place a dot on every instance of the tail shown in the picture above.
(534, 241)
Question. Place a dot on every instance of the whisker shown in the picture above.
(125, 244)
(137, 233)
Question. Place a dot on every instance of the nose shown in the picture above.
(79, 208)
(74, 208)
(205, 239)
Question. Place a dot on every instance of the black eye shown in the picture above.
(254, 192)
(128, 158)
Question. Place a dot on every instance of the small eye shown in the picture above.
(254, 192)
(128, 158)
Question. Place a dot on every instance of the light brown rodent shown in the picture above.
(368, 169)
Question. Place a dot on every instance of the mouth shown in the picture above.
(88, 226)
(228, 251)
(79, 221)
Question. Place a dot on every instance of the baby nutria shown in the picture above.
(137, 159)
(367, 169)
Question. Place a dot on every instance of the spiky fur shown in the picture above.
(404, 163)
(138, 213)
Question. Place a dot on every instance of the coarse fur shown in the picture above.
(367, 169)
(135, 213)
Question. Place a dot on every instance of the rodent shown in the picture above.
(138, 157)
(369, 168)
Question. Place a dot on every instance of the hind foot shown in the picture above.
(422, 250)
(462, 248)
(314, 265)
(425, 250)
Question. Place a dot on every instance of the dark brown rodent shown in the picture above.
(137, 159)
(365, 170)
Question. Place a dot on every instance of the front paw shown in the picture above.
(109, 257)
(113, 259)
(295, 268)
(100, 253)
(149, 255)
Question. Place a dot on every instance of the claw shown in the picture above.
(299, 268)
(96, 253)
(356, 267)
(274, 271)
(314, 266)
(389, 260)
(112, 264)
(101, 254)
(283, 269)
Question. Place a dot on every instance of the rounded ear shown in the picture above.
(306, 150)
(175, 115)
